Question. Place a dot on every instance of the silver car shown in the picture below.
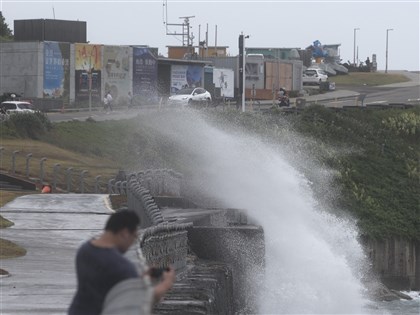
(189, 96)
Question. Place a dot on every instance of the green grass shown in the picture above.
(368, 78)
(9, 249)
(4, 223)
(380, 178)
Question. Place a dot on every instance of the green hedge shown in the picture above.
(25, 125)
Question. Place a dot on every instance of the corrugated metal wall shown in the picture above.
(282, 74)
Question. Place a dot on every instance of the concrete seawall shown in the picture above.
(217, 253)
(396, 261)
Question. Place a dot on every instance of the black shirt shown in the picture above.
(98, 270)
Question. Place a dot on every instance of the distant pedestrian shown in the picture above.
(110, 100)
(106, 103)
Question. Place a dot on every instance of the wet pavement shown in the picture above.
(50, 228)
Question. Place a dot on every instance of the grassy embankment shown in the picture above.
(93, 149)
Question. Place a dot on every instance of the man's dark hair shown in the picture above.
(121, 220)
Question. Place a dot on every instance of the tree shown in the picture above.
(5, 32)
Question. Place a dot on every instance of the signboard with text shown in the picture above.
(56, 70)
(183, 76)
(116, 72)
(145, 72)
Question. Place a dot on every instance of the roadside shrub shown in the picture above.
(405, 123)
(27, 125)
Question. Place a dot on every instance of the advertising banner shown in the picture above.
(224, 79)
(116, 72)
(145, 69)
(88, 63)
(56, 70)
(183, 76)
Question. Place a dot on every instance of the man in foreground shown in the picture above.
(100, 265)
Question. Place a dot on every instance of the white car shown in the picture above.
(189, 96)
(13, 107)
(314, 76)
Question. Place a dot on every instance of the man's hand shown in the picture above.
(168, 279)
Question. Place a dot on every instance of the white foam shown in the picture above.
(312, 257)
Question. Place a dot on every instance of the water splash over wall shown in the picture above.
(313, 260)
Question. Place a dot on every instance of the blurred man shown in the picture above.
(100, 265)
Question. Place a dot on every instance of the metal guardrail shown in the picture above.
(61, 178)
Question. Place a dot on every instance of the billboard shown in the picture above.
(183, 76)
(56, 70)
(145, 72)
(224, 79)
(116, 72)
(88, 61)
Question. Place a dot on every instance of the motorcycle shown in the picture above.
(283, 101)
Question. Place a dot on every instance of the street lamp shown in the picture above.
(244, 74)
(354, 46)
(386, 53)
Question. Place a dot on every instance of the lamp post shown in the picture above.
(90, 91)
(386, 52)
(354, 45)
(244, 74)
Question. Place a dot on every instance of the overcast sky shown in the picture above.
(272, 23)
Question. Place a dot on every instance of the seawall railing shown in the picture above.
(161, 243)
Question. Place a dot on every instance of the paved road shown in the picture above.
(96, 115)
(391, 93)
(404, 92)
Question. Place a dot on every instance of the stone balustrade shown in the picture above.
(160, 244)
(164, 244)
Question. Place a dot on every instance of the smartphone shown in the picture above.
(157, 272)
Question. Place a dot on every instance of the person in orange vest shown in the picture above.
(46, 189)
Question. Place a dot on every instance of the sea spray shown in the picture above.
(313, 259)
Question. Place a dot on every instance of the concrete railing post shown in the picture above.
(28, 158)
(41, 169)
(82, 182)
(14, 161)
(111, 183)
(55, 172)
(97, 186)
(68, 178)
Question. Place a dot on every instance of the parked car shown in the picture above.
(314, 76)
(13, 107)
(189, 96)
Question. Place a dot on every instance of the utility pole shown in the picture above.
(242, 66)
(354, 46)
(186, 38)
(386, 52)
(186, 30)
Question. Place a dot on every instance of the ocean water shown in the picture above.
(314, 263)
(399, 307)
